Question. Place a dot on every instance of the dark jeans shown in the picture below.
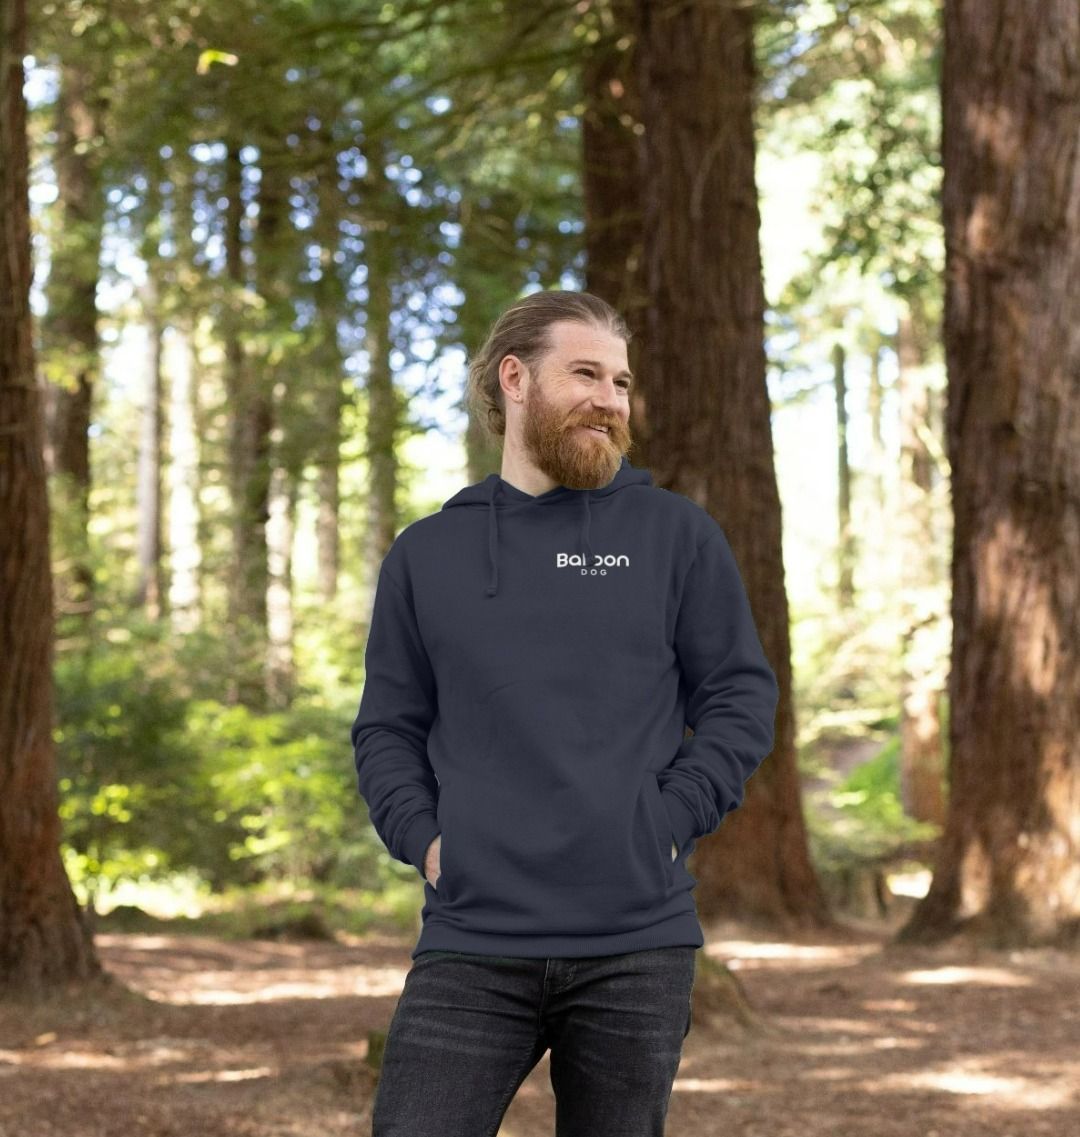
(469, 1028)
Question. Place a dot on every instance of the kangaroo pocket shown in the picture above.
(594, 861)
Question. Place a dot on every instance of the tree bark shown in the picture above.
(69, 332)
(280, 532)
(277, 470)
(330, 397)
(710, 432)
(1008, 865)
(922, 759)
(44, 941)
(613, 173)
(249, 467)
(384, 411)
(151, 590)
(183, 483)
(490, 276)
(845, 543)
(186, 523)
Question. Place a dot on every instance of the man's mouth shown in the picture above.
(597, 429)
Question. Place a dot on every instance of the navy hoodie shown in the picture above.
(532, 664)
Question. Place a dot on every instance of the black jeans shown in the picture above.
(469, 1028)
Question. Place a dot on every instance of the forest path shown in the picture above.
(267, 1039)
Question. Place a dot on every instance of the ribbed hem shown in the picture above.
(682, 929)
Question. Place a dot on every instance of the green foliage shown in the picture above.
(862, 818)
(283, 780)
(271, 909)
(474, 112)
(133, 790)
(158, 778)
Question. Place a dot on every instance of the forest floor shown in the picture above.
(257, 1038)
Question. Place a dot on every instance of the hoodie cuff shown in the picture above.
(680, 819)
(423, 830)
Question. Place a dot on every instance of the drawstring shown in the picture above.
(493, 539)
(493, 535)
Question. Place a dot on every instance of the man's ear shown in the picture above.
(512, 373)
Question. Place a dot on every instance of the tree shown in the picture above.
(1006, 870)
(709, 431)
(70, 325)
(43, 939)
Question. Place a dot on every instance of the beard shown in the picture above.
(570, 454)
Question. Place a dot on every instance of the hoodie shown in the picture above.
(532, 665)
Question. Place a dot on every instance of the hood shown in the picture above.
(494, 494)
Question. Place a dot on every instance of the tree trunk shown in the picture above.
(877, 441)
(613, 173)
(922, 758)
(710, 431)
(384, 414)
(330, 397)
(280, 530)
(44, 941)
(845, 543)
(183, 480)
(70, 336)
(490, 278)
(1008, 865)
(249, 468)
(275, 275)
(151, 589)
(186, 523)
(613, 164)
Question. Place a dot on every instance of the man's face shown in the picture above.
(583, 383)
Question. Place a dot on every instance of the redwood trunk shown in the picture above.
(384, 404)
(330, 397)
(1008, 867)
(710, 435)
(70, 331)
(249, 469)
(43, 938)
(845, 538)
(922, 783)
(613, 171)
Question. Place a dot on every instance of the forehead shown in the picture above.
(573, 340)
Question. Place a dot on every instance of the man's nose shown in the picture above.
(606, 398)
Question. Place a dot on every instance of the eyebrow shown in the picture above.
(599, 367)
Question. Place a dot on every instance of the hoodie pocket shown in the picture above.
(661, 825)
(587, 860)
(440, 885)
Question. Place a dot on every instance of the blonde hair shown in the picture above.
(523, 330)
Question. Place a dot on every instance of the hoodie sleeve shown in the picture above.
(389, 735)
(731, 696)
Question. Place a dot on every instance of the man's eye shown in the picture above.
(584, 371)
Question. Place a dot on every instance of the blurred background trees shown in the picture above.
(267, 235)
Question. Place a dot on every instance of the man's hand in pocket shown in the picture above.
(432, 861)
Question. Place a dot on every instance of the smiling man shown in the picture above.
(536, 650)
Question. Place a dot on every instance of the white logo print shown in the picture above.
(601, 562)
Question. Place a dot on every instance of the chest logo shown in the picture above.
(601, 562)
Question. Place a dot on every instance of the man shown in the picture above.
(536, 649)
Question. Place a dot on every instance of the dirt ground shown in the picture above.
(269, 1039)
